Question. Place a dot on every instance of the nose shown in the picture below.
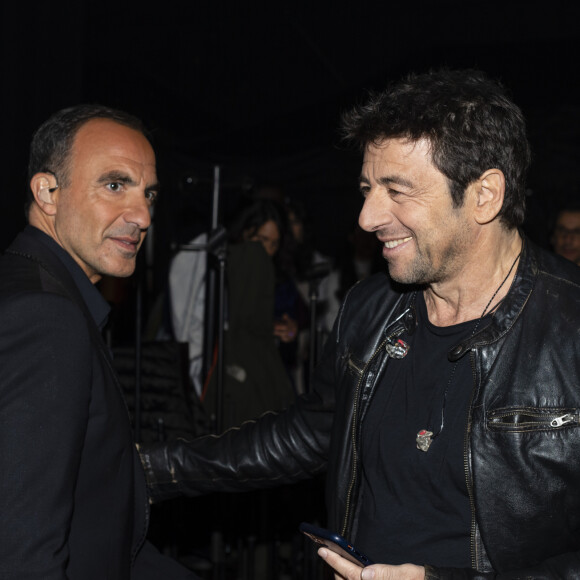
(138, 211)
(375, 213)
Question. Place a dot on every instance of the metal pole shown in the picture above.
(220, 353)
(313, 333)
(216, 197)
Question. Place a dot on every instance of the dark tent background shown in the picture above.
(258, 89)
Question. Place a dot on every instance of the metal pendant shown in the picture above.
(424, 439)
(397, 348)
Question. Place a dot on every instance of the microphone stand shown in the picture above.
(314, 275)
(313, 294)
(217, 246)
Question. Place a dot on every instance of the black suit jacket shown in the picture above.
(73, 500)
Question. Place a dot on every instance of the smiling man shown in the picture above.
(446, 406)
(72, 491)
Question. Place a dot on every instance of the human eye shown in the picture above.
(114, 186)
(364, 190)
(151, 196)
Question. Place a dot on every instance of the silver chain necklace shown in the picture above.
(425, 437)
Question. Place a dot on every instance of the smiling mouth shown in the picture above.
(395, 243)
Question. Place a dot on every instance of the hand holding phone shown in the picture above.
(336, 543)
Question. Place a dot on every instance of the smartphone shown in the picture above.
(336, 543)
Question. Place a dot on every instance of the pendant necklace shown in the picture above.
(425, 437)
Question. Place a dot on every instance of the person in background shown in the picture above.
(566, 233)
(289, 309)
(255, 380)
(315, 284)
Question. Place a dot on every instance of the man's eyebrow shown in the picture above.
(116, 175)
(389, 180)
(125, 178)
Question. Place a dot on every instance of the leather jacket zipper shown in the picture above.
(362, 371)
(466, 464)
(563, 420)
(353, 435)
(532, 419)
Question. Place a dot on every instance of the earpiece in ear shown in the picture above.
(45, 191)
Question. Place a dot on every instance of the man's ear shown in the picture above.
(44, 189)
(489, 191)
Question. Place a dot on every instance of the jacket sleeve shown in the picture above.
(276, 449)
(45, 358)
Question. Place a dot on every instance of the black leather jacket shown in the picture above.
(522, 445)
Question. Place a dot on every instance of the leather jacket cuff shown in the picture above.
(156, 465)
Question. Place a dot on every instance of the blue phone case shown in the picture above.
(336, 543)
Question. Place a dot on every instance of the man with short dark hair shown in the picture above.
(566, 233)
(446, 406)
(72, 493)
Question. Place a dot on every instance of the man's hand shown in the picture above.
(346, 570)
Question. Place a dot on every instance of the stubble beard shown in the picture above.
(423, 269)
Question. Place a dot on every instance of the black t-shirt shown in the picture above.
(414, 504)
